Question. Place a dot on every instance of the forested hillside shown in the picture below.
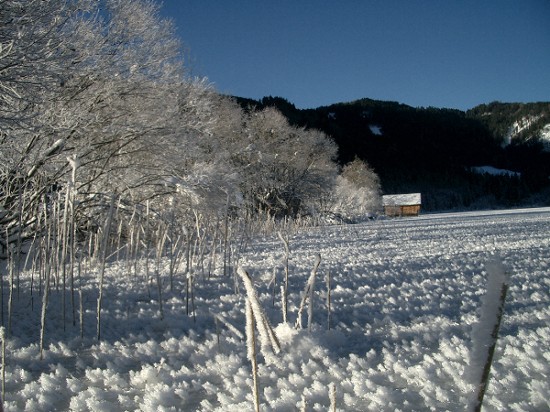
(433, 150)
(520, 121)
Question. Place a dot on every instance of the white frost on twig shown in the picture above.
(267, 336)
(485, 331)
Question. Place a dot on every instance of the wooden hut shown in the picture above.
(407, 204)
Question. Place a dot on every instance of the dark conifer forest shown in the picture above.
(435, 150)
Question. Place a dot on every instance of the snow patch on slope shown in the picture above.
(375, 130)
(545, 137)
(494, 171)
(519, 126)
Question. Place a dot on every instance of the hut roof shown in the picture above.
(405, 199)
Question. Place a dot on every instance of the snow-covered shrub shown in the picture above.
(357, 193)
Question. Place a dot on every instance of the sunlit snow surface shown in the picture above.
(405, 296)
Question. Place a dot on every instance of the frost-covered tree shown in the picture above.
(94, 99)
(120, 101)
(209, 131)
(99, 87)
(33, 55)
(357, 193)
(33, 58)
(283, 167)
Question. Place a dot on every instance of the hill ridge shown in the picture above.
(433, 150)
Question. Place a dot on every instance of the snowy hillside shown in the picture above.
(545, 137)
(526, 123)
(405, 295)
(519, 126)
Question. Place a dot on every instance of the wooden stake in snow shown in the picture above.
(332, 396)
(47, 256)
(308, 295)
(303, 405)
(329, 287)
(105, 243)
(268, 339)
(161, 240)
(251, 352)
(256, 316)
(485, 333)
(11, 269)
(3, 337)
(285, 292)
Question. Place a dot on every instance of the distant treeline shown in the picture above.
(431, 150)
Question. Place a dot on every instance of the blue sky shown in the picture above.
(445, 53)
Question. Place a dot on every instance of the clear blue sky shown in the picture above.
(443, 53)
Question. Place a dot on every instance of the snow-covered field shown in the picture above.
(405, 294)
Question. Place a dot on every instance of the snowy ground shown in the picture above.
(405, 295)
